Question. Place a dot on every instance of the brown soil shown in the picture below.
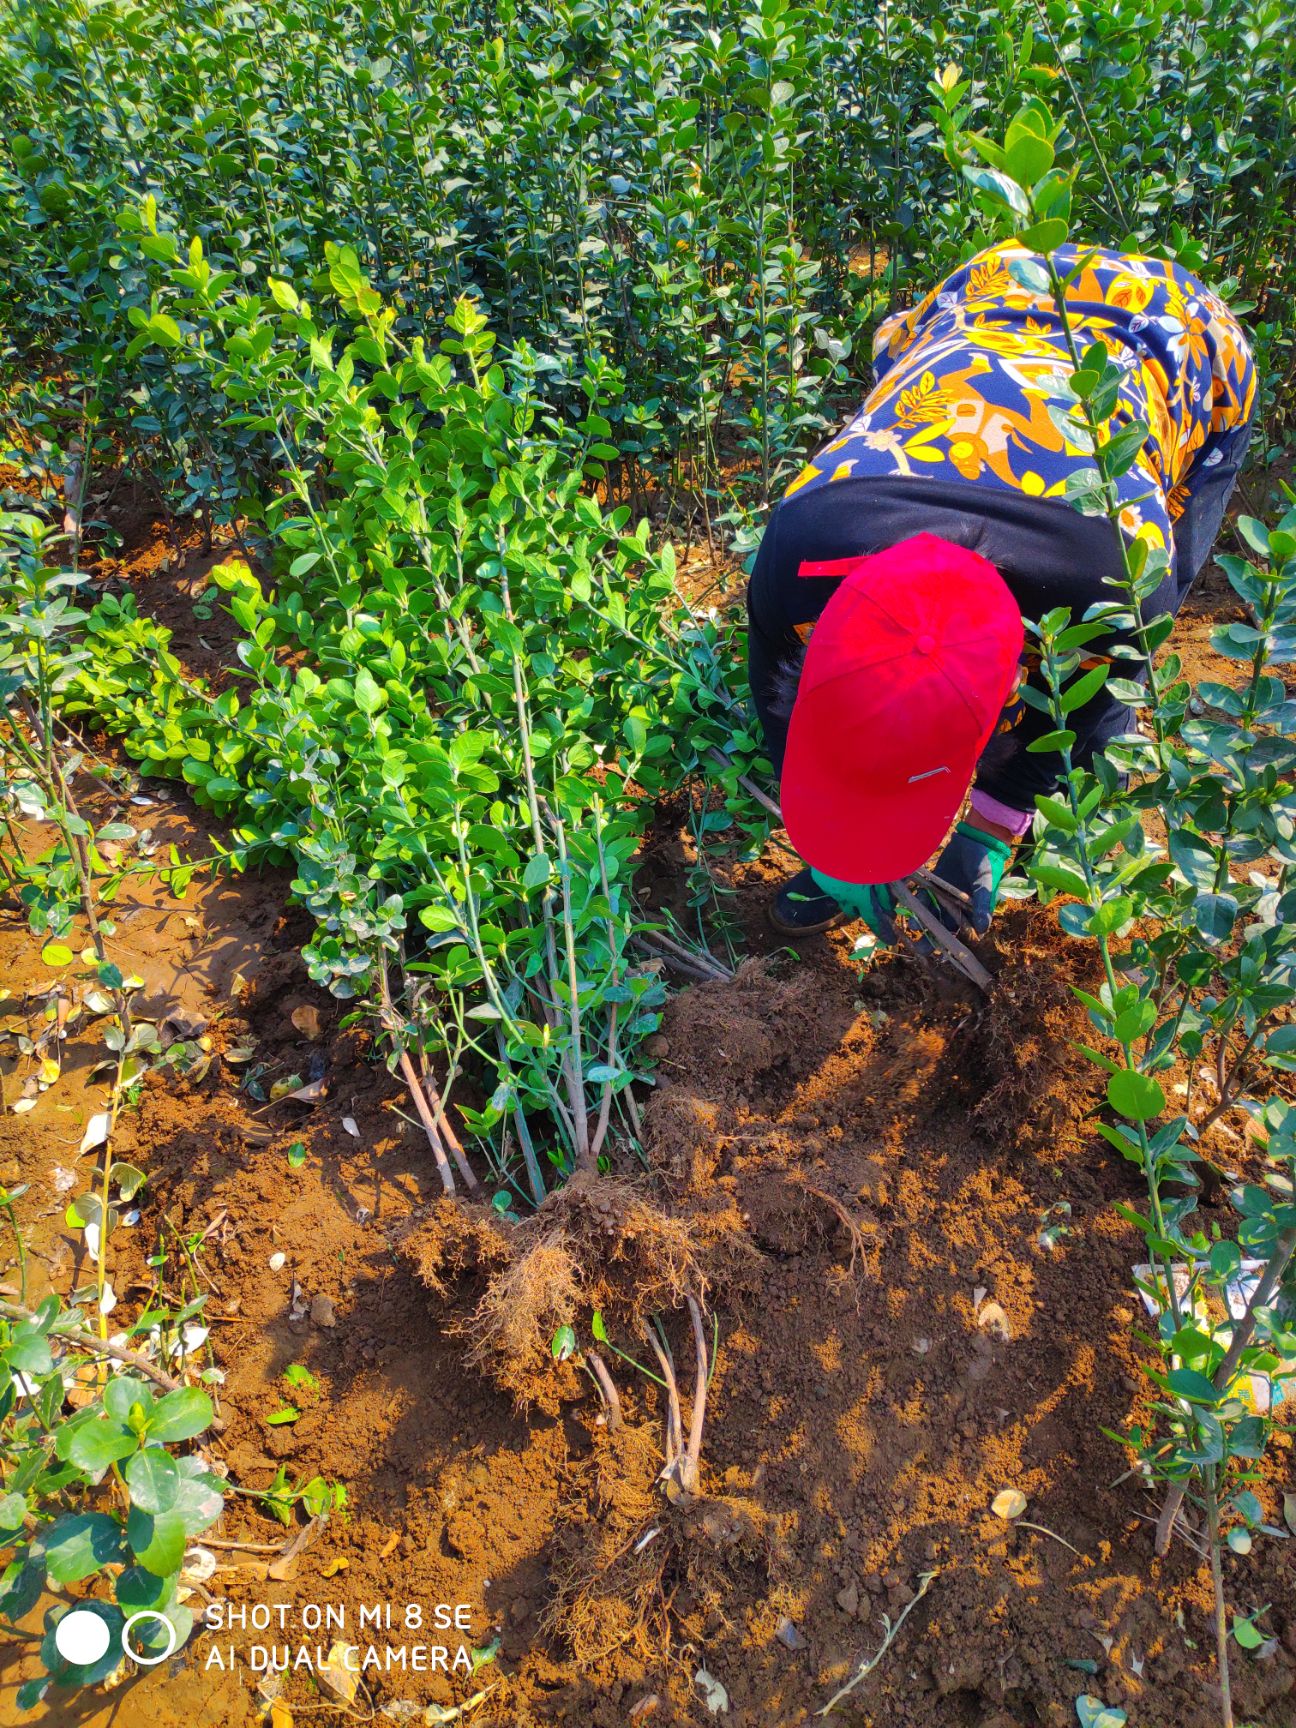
(855, 1173)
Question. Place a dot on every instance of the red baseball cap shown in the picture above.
(905, 676)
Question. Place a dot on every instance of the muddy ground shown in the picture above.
(865, 1173)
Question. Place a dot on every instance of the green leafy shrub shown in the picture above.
(714, 201)
(453, 703)
(1174, 854)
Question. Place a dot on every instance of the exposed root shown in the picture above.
(852, 1228)
(598, 1243)
(607, 1578)
(620, 1562)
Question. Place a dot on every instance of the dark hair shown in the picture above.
(785, 682)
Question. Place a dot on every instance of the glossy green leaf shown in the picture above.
(1136, 1096)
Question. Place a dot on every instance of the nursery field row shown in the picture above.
(427, 1180)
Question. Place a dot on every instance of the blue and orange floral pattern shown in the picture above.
(965, 380)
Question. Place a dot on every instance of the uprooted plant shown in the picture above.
(1174, 851)
(682, 1457)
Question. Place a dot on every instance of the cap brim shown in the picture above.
(857, 833)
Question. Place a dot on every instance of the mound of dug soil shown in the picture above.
(903, 1224)
(890, 1200)
(945, 1311)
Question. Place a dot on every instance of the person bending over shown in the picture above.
(885, 606)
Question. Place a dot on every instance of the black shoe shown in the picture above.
(801, 908)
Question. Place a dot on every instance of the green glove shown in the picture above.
(871, 901)
(975, 862)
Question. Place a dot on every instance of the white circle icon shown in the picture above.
(173, 1637)
(81, 1637)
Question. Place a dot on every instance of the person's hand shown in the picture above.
(871, 901)
(974, 862)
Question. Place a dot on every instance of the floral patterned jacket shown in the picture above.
(962, 384)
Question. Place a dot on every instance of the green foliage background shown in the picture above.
(705, 203)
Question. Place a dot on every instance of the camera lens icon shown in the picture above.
(82, 1637)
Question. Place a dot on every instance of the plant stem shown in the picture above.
(869, 1663)
(7, 1205)
(607, 1386)
(428, 1120)
(447, 1133)
(576, 1062)
(674, 1428)
(1221, 1613)
(690, 1464)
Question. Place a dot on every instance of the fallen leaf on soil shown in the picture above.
(184, 1023)
(787, 1634)
(61, 1180)
(288, 1087)
(311, 1093)
(1093, 1713)
(389, 1546)
(334, 1672)
(645, 1706)
(277, 1260)
(199, 1564)
(335, 1566)
(307, 1021)
(22, 1104)
(484, 1653)
(992, 1319)
(321, 1312)
(349, 1123)
(280, 1715)
(285, 1567)
(1289, 1511)
(435, 1714)
(713, 1693)
(1009, 1504)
